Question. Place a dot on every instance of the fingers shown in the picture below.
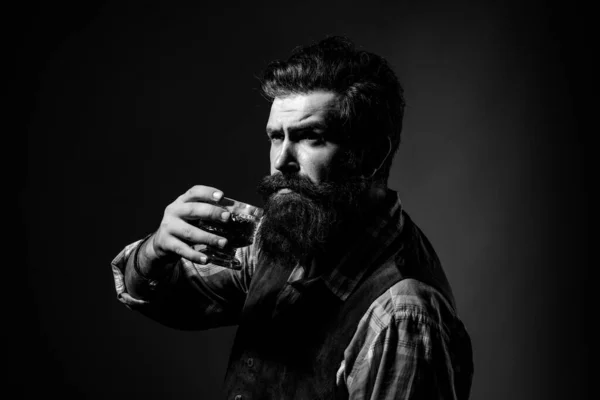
(191, 234)
(195, 211)
(184, 250)
(177, 233)
(203, 194)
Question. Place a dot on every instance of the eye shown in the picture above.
(314, 138)
(275, 137)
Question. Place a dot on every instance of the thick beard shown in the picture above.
(307, 221)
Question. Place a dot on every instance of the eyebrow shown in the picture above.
(301, 126)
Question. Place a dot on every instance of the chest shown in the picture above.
(292, 337)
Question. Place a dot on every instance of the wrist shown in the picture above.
(148, 264)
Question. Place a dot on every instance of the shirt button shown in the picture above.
(238, 397)
(250, 362)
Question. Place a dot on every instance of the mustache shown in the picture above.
(299, 184)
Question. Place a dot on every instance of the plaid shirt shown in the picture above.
(408, 343)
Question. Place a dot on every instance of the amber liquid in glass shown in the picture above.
(239, 232)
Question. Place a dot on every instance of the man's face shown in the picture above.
(313, 188)
(302, 139)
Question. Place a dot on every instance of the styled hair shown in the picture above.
(371, 101)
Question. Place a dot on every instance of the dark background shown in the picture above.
(121, 107)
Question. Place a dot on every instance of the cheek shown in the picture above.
(319, 165)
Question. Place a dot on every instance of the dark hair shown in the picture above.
(371, 97)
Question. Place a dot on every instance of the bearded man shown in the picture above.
(340, 295)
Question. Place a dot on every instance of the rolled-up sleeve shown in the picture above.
(194, 297)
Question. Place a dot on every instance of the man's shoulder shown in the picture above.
(411, 299)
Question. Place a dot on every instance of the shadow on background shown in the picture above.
(126, 106)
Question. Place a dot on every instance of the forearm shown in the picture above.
(193, 296)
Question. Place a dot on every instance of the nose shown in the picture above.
(286, 161)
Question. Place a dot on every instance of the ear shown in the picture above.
(382, 152)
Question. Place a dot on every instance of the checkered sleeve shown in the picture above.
(195, 297)
(400, 349)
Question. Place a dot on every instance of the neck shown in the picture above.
(377, 195)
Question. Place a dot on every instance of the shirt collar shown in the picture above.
(384, 228)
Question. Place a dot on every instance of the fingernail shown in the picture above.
(225, 215)
(217, 195)
(204, 259)
(222, 242)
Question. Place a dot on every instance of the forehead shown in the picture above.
(300, 107)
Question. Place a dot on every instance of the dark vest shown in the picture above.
(292, 337)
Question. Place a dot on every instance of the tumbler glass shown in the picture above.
(239, 231)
